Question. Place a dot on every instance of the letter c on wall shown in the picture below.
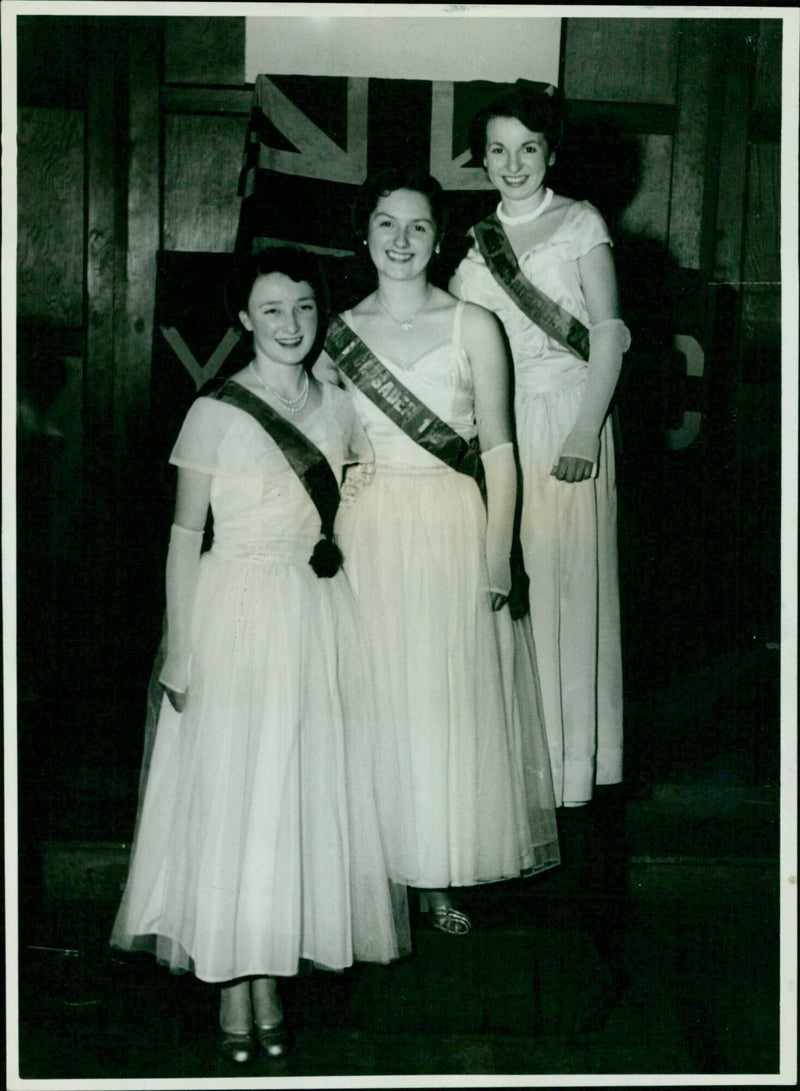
(680, 438)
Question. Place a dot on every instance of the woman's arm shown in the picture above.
(183, 563)
(325, 371)
(485, 345)
(608, 340)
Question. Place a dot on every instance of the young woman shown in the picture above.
(257, 840)
(543, 265)
(429, 377)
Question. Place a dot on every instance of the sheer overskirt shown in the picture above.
(458, 685)
(257, 842)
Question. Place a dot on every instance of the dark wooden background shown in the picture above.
(130, 139)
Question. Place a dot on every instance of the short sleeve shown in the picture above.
(201, 437)
(588, 229)
(473, 283)
(357, 447)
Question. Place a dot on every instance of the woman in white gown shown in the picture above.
(431, 573)
(543, 265)
(257, 842)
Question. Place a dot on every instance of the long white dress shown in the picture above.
(459, 688)
(257, 841)
(568, 531)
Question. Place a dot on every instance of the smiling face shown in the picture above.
(282, 316)
(516, 161)
(402, 234)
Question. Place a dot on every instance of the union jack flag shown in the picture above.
(312, 141)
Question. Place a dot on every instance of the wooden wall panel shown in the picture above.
(697, 41)
(50, 170)
(767, 89)
(732, 169)
(132, 389)
(204, 50)
(201, 171)
(621, 60)
(648, 214)
(761, 287)
(763, 236)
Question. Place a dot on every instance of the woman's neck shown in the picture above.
(403, 295)
(528, 208)
(287, 380)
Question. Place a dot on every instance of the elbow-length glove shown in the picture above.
(501, 496)
(608, 342)
(183, 564)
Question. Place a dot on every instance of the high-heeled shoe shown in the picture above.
(445, 918)
(237, 1046)
(274, 1040)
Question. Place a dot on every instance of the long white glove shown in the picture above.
(501, 497)
(183, 563)
(608, 342)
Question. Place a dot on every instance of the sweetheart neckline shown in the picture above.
(428, 352)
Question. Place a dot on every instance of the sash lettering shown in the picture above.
(358, 362)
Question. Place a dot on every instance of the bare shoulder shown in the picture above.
(478, 321)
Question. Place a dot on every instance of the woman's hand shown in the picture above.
(177, 700)
(498, 600)
(572, 470)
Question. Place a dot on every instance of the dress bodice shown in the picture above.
(540, 363)
(258, 501)
(441, 378)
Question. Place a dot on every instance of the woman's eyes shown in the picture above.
(425, 228)
(273, 311)
(528, 149)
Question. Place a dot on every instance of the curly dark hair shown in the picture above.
(387, 181)
(294, 262)
(539, 111)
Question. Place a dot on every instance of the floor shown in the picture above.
(653, 950)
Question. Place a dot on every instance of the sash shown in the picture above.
(358, 362)
(307, 461)
(540, 308)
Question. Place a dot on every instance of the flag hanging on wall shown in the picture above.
(312, 141)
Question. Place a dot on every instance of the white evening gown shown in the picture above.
(257, 841)
(568, 531)
(456, 680)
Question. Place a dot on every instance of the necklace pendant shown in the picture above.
(407, 324)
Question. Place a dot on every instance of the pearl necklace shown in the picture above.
(526, 217)
(405, 323)
(293, 405)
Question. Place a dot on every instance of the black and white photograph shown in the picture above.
(399, 544)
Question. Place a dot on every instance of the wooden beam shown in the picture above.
(132, 380)
(101, 239)
(696, 70)
(207, 100)
(631, 117)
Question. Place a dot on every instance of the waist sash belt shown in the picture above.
(548, 315)
(307, 461)
(358, 362)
